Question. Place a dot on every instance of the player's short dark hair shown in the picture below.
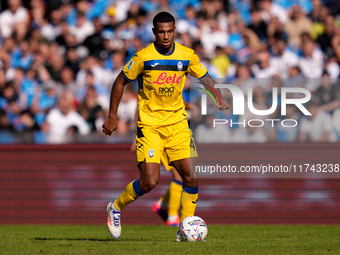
(163, 17)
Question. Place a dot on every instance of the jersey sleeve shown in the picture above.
(133, 68)
(196, 68)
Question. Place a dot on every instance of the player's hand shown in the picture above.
(223, 106)
(110, 125)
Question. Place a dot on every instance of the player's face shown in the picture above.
(165, 34)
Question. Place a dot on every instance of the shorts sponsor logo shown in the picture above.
(151, 153)
(166, 91)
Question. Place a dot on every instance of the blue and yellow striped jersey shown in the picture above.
(161, 80)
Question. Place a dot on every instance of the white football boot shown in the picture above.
(178, 236)
(113, 220)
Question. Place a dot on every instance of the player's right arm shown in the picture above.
(117, 91)
(130, 72)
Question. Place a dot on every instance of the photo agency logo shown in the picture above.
(238, 105)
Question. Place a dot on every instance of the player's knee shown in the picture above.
(190, 182)
(148, 185)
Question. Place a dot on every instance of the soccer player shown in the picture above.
(161, 69)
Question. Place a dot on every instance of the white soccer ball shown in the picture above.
(193, 229)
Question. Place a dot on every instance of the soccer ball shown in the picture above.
(193, 229)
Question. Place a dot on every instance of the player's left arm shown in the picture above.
(199, 71)
(209, 84)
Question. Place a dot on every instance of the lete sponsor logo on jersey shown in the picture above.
(165, 78)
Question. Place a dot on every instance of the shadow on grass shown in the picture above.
(73, 239)
(93, 239)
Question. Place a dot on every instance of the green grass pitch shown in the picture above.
(225, 239)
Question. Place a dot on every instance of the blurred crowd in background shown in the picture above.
(58, 60)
